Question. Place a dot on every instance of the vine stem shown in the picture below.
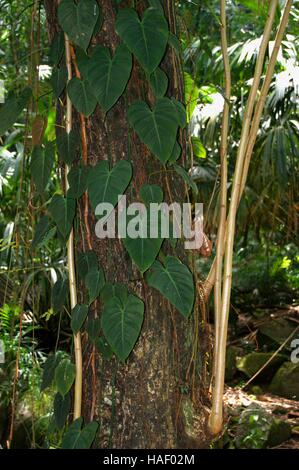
(216, 417)
(71, 256)
(223, 180)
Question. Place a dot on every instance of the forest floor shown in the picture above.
(287, 410)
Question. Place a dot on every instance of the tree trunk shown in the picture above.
(157, 399)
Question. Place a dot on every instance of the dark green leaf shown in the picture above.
(94, 281)
(159, 82)
(77, 178)
(65, 374)
(104, 348)
(56, 48)
(62, 406)
(62, 210)
(151, 193)
(43, 232)
(12, 108)
(186, 177)
(147, 39)
(58, 80)
(79, 314)
(114, 290)
(77, 438)
(86, 262)
(121, 324)
(59, 294)
(176, 153)
(108, 76)
(157, 128)
(78, 20)
(93, 329)
(81, 95)
(42, 161)
(175, 282)
(49, 369)
(105, 184)
(67, 144)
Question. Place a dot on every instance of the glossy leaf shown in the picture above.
(81, 95)
(65, 374)
(121, 324)
(78, 20)
(105, 184)
(62, 210)
(198, 149)
(77, 437)
(79, 314)
(108, 76)
(175, 282)
(156, 128)
(147, 39)
(42, 161)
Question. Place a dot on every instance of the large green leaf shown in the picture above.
(157, 128)
(175, 282)
(121, 324)
(62, 406)
(93, 329)
(77, 178)
(81, 95)
(62, 210)
(67, 144)
(108, 76)
(151, 194)
(65, 374)
(147, 39)
(105, 184)
(79, 314)
(94, 281)
(56, 48)
(42, 160)
(86, 262)
(78, 20)
(77, 438)
(12, 108)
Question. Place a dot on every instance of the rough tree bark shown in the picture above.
(158, 398)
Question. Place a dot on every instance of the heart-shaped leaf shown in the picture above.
(67, 144)
(58, 80)
(147, 39)
(175, 282)
(142, 249)
(121, 324)
(105, 184)
(44, 231)
(77, 178)
(62, 406)
(186, 177)
(104, 348)
(81, 95)
(94, 281)
(65, 374)
(62, 210)
(77, 438)
(176, 153)
(158, 82)
(79, 314)
(78, 20)
(157, 128)
(108, 76)
(42, 160)
(114, 290)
